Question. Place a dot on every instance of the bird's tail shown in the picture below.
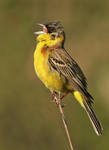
(93, 118)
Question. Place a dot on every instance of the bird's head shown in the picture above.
(52, 32)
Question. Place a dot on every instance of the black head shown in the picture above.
(54, 27)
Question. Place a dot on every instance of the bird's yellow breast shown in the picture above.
(50, 78)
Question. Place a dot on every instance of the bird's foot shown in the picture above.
(58, 99)
(55, 98)
(62, 96)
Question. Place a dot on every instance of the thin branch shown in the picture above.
(58, 102)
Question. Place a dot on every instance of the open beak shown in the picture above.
(41, 32)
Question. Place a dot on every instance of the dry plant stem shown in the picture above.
(58, 102)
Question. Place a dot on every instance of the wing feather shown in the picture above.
(63, 63)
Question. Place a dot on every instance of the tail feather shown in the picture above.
(93, 118)
(85, 102)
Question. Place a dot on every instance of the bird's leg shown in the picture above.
(62, 96)
(53, 96)
(57, 99)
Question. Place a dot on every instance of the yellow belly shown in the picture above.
(51, 79)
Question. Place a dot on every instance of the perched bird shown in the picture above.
(59, 71)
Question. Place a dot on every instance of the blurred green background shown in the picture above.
(29, 120)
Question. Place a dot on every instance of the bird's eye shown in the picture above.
(53, 36)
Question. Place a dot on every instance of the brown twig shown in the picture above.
(58, 102)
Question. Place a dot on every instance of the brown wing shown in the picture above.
(63, 63)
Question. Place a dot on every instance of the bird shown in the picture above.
(59, 72)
